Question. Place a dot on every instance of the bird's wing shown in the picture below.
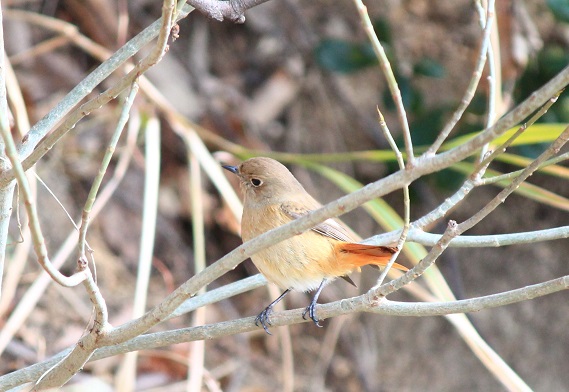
(332, 228)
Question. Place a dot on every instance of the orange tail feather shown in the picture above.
(359, 255)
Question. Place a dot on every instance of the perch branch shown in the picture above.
(289, 317)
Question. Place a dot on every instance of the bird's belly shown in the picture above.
(299, 263)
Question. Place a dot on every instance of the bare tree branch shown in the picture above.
(474, 241)
(27, 148)
(390, 77)
(333, 309)
(472, 85)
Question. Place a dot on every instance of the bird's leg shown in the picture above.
(311, 309)
(263, 317)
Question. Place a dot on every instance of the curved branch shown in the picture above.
(289, 317)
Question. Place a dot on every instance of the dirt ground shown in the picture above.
(261, 85)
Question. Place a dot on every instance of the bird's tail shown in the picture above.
(359, 255)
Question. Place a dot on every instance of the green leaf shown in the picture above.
(552, 60)
(429, 67)
(427, 124)
(383, 30)
(446, 180)
(560, 9)
(530, 150)
(537, 133)
(344, 57)
(411, 97)
(561, 109)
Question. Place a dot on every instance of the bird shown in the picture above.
(272, 197)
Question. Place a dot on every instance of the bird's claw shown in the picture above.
(311, 310)
(264, 319)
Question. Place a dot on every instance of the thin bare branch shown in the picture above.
(21, 254)
(472, 85)
(31, 151)
(490, 157)
(390, 77)
(333, 309)
(406, 201)
(377, 293)
(196, 352)
(6, 192)
(36, 290)
(69, 366)
(475, 241)
(508, 176)
(33, 218)
(455, 230)
(528, 171)
(86, 216)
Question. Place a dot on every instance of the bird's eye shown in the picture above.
(256, 182)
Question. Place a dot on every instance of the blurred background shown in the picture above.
(298, 77)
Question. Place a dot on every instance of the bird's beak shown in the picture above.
(232, 169)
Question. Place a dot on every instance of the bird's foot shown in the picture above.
(311, 311)
(264, 319)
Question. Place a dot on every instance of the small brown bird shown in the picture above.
(273, 197)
